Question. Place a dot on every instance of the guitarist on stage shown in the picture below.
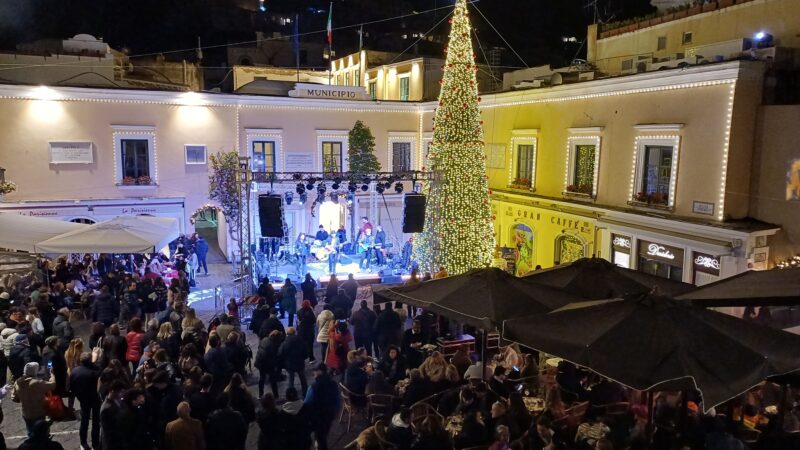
(367, 246)
(380, 245)
(301, 249)
(333, 254)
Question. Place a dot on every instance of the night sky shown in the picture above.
(533, 27)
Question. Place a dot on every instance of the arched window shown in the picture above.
(569, 248)
(83, 220)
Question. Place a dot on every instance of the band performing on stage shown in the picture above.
(329, 251)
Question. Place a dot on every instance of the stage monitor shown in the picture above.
(270, 214)
(413, 213)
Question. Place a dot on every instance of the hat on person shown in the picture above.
(31, 369)
(5, 296)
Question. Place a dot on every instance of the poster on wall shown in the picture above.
(298, 162)
(71, 153)
(522, 241)
(510, 255)
(793, 181)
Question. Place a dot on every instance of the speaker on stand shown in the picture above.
(270, 215)
(413, 212)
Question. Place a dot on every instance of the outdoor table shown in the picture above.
(170, 274)
(534, 405)
(454, 424)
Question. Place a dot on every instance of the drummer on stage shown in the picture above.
(322, 235)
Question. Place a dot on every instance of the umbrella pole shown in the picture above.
(483, 355)
(649, 429)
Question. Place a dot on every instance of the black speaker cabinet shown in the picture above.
(270, 214)
(413, 213)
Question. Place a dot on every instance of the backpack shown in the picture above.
(97, 351)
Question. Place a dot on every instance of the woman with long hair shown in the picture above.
(169, 341)
(241, 399)
(134, 340)
(73, 357)
(191, 325)
(339, 338)
(434, 367)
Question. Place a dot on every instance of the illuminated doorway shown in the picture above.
(331, 215)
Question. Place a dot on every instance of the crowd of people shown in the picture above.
(151, 374)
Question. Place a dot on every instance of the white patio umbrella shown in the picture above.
(18, 232)
(123, 234)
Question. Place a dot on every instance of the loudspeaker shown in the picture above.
(270, 216)
(392, 279)
(413, 213)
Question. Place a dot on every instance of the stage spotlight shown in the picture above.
(310, 186)
(335, 185)
(300, 188)
(297, 177)
(351, 197)
(365, 187)
(398, 187)
(289, 197)
(379, 188)
(321, 188)
(303, 198)
(335, 197)
(352, 187)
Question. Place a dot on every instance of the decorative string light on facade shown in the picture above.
(572, 155)
(458, 231)
(725, 150)
(406, 137)
(514, 162)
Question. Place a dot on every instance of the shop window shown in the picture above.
(401, 156)
(331, 157)
(662, 43)
(687, 38)
(621, 250)
(404, 88)
(263, 156)
(657, 164)
(661, 260)
(569, 249)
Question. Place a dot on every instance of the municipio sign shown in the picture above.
(324, 91)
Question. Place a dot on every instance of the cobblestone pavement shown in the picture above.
(202, 299)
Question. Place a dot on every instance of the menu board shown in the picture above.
(510, 254)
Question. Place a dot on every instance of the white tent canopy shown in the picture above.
(123, 234)
(18, 232)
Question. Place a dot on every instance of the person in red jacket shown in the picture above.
(339, 339)
(133, 338)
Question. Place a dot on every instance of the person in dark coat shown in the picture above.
(309, 288)
(236, 353)
(260, 314)
(413, 340)
(418, 388)
(105, 308)
(267, 292)
(393, 365)
(324, 402)
(40, 438)
(115, 345)
(292, 354)
(163, 397)
(62, 329)
(267, 362)
(83, 385)
(351, 288)
(270, 325)
(201, 250)
(226, 429)
(272, 432)
(306, 321)
(332, 289)
(356, 380)
(202, 402)
(50, 354)
(399, 432)
(388, 328)
(110, 437)
(216, 364)
(21, 354)
(295, 421)
(363, 321)
(132, 422)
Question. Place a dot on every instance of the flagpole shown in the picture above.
(330, 44)
(297, 44)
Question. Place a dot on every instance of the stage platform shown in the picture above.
(319, 271)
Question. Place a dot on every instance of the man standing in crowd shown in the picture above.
(83, 385)
(201, 250)
(363, 322)
(185, 433)
(324, 401)
(29, 390)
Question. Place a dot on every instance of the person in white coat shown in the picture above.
(324, 321)
(193, 265)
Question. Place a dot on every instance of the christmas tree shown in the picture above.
(361, 150)
(458, 231)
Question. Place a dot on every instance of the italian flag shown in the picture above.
(330, 25)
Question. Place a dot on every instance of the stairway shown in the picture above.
(209, 233)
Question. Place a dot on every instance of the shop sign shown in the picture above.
(621, 243)
(706, 263)
(570, 223)
(661, 252)
(308, 90)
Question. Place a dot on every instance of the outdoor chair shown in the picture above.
(381, 405)
(371, 436)
(421, 411)
(577, 411)
(349, 407)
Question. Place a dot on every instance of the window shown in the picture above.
(656, 172)
(339, 80)
(687, 38)
(83, 220)
(357, 78)
(195, 154)
(568, 249)
(525, 155)
(404, 88)
(627, 64)
(263, 156)
(347, 79)
(401, 156)
(662, 43)
(581, 176)
(373, 94)
(331, 157)
(135, 159)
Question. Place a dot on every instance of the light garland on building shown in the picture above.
(513, 161)
(725, 150)
(198, 211)
(790, 263)
(458, 219)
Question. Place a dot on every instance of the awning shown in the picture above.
(123, 234)
(18, 232)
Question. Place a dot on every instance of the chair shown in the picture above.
(421, 411)
(349, 407)
(577, 411)
(380, 404)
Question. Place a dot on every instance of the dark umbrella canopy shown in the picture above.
(652, 342)
(753, 288)
(597, 279)
(482, 297)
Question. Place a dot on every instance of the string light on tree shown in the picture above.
(458, 231)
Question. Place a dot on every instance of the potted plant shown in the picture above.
(7, 187)
(128, 181)
(658, 198)
(641, 197)
(144, 180)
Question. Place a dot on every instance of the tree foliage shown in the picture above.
(361, 151)
(224, 189)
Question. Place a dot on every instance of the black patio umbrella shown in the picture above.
(651, 342)
(597, 279)
(481, 297)
(753, 288)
